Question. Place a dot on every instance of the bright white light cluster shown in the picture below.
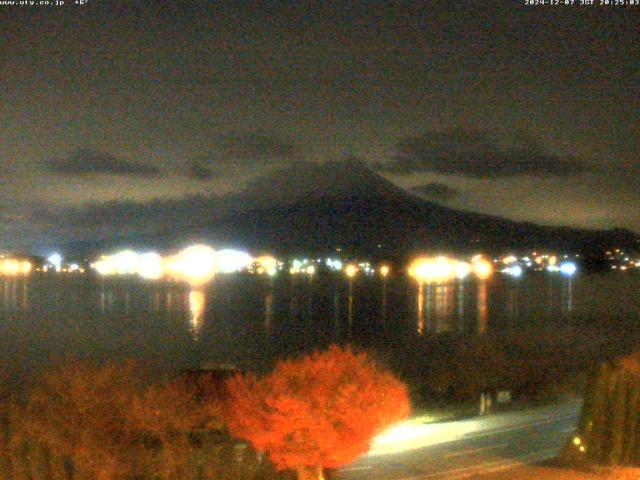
(267, 264)
(55, 259)
(366, 268)
(513, 270)
(196, 265)
(302, 266)
(568, 268)
(334, 264)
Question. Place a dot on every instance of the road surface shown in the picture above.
(415, 451)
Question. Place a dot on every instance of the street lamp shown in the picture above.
(384, 271)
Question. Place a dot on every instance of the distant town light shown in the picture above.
(10, 266)
(351, 270)
(384, 270)
(268, 264)
(509, 259)
(514, 271)
(150, 266)
(229, 261)
(196, 265)
(55, 259)
(568, 268)
(482, 268)
(430, 269)
(463, 269)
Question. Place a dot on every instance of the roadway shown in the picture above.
(414, 450)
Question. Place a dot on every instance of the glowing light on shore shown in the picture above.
(462, 270)
(509, 259)
(195, 265)
(568, 268)
(334, 264)
(150, 266)
(12, 267)
(55, 259)
(430, 269)
(310, 270)
(229, 261)
(268, 263)
(384, 271)
(514, 271)
(350, 271)
(482, 268)
(121, 263)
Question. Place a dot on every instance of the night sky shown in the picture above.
(532, 113)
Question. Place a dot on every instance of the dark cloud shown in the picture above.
(88, 161)
(130, 213)
(254, 147)
(438, 192)
(478, 154)
(199, 171)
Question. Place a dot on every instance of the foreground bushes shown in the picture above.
(116, 422)
(111, 422)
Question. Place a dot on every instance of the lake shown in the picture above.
(250, 320)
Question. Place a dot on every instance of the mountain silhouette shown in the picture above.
(314, 208)
(345, 205)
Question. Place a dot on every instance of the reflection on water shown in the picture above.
(442, 307)
(350, 307)
(197, 303)
(15, 294)
(421, 313)
(513, 300)
(483, 307)
(268, 312)
(567, 295)
(336, 312)
(248, 318)
(383, 303)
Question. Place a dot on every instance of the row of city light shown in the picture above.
(198, 264)
(621, 260)
(565, 268)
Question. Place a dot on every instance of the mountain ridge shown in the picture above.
(317, 208)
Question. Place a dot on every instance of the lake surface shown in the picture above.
(250, 320)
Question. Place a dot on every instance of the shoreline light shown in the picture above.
(351, 270)
(10, 266)
(481, 267)
(568, 268)
(514, 271)
(196, 265)
(55, 259)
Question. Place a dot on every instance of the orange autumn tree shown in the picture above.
(321, 410)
